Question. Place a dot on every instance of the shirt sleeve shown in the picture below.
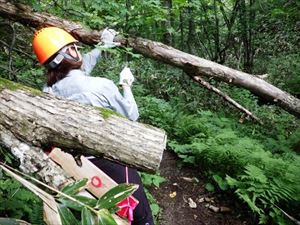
(90, 60)
(124, 104)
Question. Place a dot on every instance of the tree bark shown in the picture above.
(158, 51)
(44, 120)
(33, 160)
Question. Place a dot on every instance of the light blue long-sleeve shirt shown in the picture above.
(96, 91)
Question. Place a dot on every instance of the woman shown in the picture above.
(68, 77)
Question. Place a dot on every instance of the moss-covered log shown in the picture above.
(44, 120)
(192, 65)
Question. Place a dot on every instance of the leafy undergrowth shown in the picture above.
(18, 202)
(264, 179)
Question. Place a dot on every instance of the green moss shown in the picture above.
(34, 91)
(7, 84)
(106, 113)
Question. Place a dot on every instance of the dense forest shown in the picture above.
(246, 144)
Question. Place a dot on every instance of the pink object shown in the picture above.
(96, 181)
(127, 205)
(126, 208)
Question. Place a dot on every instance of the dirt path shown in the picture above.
(184, 183)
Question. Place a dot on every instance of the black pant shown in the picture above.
(142, 214)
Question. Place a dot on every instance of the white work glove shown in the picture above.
(107, 38)
(126, 77)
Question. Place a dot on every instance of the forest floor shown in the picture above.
(184, 183)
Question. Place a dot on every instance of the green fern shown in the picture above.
(262, 193)
(36, 215)
(16, 201)
(260, 178)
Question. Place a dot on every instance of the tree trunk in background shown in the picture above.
(44, 120)
(252, 16)
(158, 51)
(167, 36)
(205, 22)
(181, 19)
(247, 17)
(191, 29)
(229, 24)
(216, 33)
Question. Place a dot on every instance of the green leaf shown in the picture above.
(221, 182)
(105, 218)
(71, 204)
(66, 215)
(149, 179)
(155, 208)
(231, 181)
(86, 200)
(86, 217)
(12, 221)
(158, 180)
(75, 187)
(209, 187)
(74, 205)
(115, 195)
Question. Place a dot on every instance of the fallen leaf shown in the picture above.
(207, 199)
(192, 204)
(213, 208)
(201, 200)
(190, 179)
(224, 209)
(173, 194)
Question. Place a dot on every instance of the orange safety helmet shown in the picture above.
(49, 40)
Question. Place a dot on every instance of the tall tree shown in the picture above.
(167, 36)
(247, 17)
(216, 33)
(229, 21)
(191, 28)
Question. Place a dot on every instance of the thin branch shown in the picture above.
(297, 222)
(208, 86)
(19, 51)
(4, 68)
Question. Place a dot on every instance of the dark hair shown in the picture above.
(61, 71)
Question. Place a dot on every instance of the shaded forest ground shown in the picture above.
(183, 183)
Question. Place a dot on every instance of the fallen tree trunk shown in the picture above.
(33, 160)
(158, 51)
(42, 119)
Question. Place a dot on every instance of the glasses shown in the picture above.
(70, 48)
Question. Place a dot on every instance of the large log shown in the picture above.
(33, 160)
(192, 65)
(41, 119)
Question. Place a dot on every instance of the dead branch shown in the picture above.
(208, 86)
